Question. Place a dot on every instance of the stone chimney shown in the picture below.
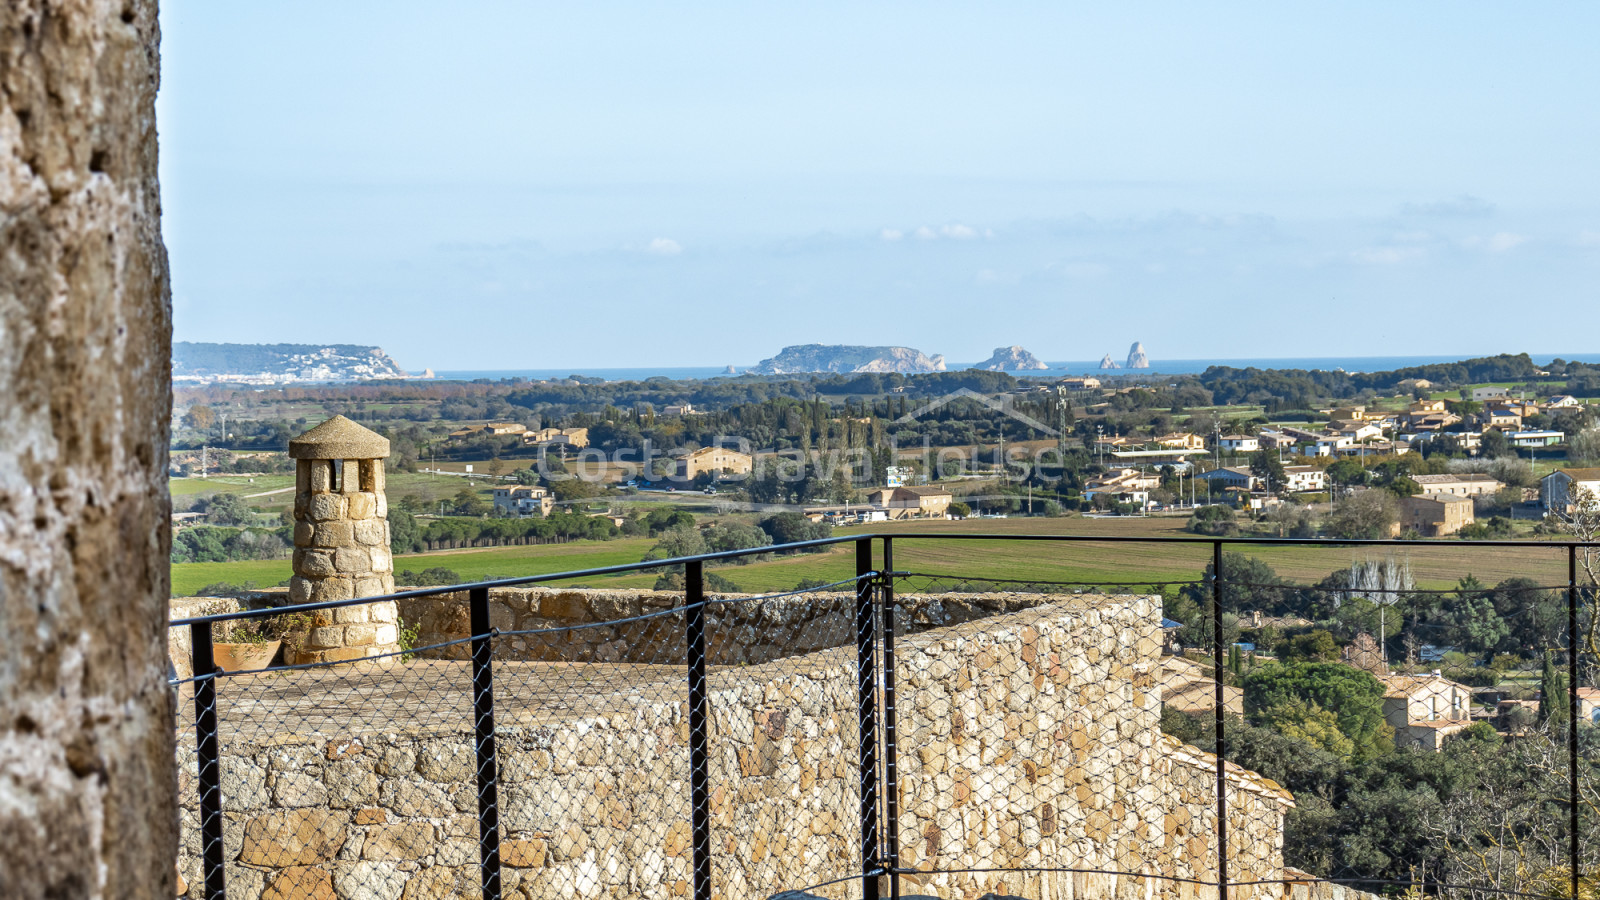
(341, 541)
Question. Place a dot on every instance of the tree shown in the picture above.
(1264, 464)
(1353, 696)
(681, 541)
(404, 535)
(734, 536)
(1553, 701)
(1494, 444)
(792, 528)
(1215, 521)
(1584, 446)
(229, 509)
(1364, 514)
(960, 510)
(468, 503)
(1304, 720)
(568, 490)
(200, 418)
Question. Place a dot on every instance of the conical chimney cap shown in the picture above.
(339, 438)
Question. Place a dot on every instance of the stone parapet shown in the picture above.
(1030, 739)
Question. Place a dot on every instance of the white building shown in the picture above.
(1558, 491)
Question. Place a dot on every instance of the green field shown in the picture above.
(470, 564)
(1435, 564)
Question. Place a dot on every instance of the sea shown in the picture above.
(1059, 368)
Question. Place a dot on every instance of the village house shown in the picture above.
(1466, 485)
(1187, 687)
(678, 409)
(912, 502)
(1304, 479)
(1483, 394)
(1231, 477)
(1275, 440)
(1562, 401)
(493, 429)
(524, 500)
(1085, 383)
(1559, 491)
(1239, 443)
(1503, 419)
(1535, 438)
(1181, 440)
(719, 461)
(1423, 407)
(1331, 444)
(1358, 431)
(1436, 515)
(1123, 486)
(1414, 384)
(1423, 710)
(566, 438)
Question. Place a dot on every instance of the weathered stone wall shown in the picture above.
(1030, 738)
(341, 551)
(86, 779)
(739, 630)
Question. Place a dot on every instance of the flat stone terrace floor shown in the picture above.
(426, 695)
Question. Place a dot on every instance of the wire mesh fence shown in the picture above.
(1237, 733)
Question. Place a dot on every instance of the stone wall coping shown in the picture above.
(1193, 757)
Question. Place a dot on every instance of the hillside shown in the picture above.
(279, 363)
(844, 358)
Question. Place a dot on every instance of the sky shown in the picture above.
(483, 185)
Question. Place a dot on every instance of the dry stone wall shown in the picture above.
(86, 780)
(1031, 739)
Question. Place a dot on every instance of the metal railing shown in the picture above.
(880, 762)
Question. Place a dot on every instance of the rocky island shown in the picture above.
(842, 358)
(1011, 359)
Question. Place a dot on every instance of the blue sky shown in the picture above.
(525, 185)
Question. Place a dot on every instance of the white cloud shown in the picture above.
(959, 232)
(924, 233)
(664, 247)
(1387, 256)
(1499, 242)
(891, 234)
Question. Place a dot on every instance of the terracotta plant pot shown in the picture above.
(244, 657)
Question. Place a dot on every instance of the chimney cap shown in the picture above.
(339, 438)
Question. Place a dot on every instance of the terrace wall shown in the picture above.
(1031, 738)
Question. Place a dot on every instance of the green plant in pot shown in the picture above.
(243, 645)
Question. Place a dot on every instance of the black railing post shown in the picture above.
(1219, 717)
(483, 743)
(694, 603)
(891, 747)
(208, 751)
(1572, 703)
(866, 704)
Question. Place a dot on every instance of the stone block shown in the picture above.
(313, 563)
(382, 509)
(330, 590)
(295, 837)
(326, 637)
(381, 560)
(415, 799)
(336, 533)
(369, 880)
(327, 507)
(568, 605)
(384, 612)
(321, 476)
(441, 882)
(371, 815)
(244, 784)
(370, 532)
(360, 635)
(302, 533)
(352, 560)
(300, 589)
(525, 854)
(360, 505)
(405, 840)
(447, 762)
(351, 615)
(351, 784)
(299, 883)
(372, 586)
(296, 789)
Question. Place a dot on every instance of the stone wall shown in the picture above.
(86, 779)
(740, 630)
(1031, 739)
